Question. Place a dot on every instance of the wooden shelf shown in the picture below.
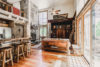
(10, 16)
(3, 2)
(6, 12)
(3, 25)
(14, 39)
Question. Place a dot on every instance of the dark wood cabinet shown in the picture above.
(61, 28)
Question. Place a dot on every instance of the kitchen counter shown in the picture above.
(4, 43)
(55, 44)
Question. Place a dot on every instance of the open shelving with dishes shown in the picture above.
(9, 29)
(6, 29)
(8, 11)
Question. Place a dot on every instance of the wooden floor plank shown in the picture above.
(41, 58)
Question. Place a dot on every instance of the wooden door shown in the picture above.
(60, 33)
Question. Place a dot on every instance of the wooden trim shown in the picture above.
(78, 32)
(86, 8)
(3, 2)
(82, 35)
(75, 31)
(78, 21)
(43, 11)
(3, 25)
(83, 7)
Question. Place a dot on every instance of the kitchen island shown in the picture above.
(55, 44)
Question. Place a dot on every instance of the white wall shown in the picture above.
(34, 17)
(66, 8)
(17, 5)
(34, 14)
(79, 5)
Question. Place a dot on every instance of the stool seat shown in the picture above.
(4, 46)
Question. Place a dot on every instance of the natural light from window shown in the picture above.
(43, 23)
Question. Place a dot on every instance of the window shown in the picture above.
(43, 31)
(43, 23)
(43, 18)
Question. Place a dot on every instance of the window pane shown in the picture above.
(41, 32)
(43, 21)
(43, 18)
(40, 21)
(40, 15)
(44, 15)
(45, 31)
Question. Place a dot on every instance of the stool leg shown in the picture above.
(27, 50)
(0, 55)
(18, 54)
(11, 57)
(30, 49)
(4, 59)
(23, 51)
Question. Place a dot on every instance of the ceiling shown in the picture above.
(41, 4)
(13, 1)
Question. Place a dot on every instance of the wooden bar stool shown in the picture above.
(27, 49)
(7, 56)
(20, 52)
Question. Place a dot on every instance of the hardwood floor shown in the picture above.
(41, 58)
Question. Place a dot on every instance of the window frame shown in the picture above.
(44, 25)
(43, 18)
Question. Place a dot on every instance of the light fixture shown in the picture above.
(55, 12)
